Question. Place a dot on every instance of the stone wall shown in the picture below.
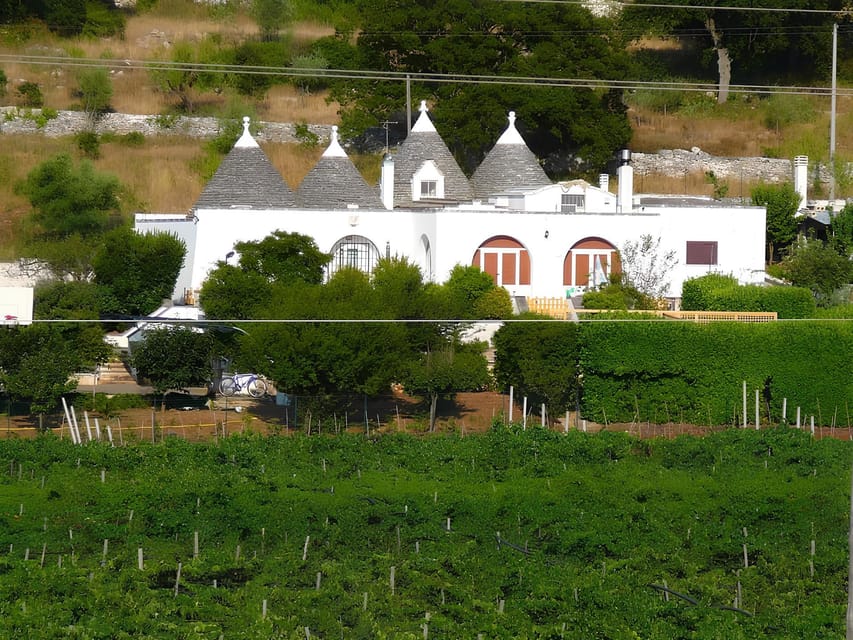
(18, 120)
(672, 163)
(678, 162)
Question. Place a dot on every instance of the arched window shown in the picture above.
(505, 259)
(589, 263)
(353, 251)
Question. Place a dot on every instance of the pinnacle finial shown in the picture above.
(334, 133)
(246, 124)
(512, 118)
(423, 108)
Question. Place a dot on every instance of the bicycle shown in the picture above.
(249, 383)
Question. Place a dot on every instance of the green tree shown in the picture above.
(782, 203)
(174, 358)
(69, 199)
(37, 361)
(271, 16)
(817, 266)
(185, 73)
(572, 129)
(284, 257)
(469, 291)
(95, 91)
(841, 232)
(445, 372)
(242, 291)
(742, 45)
(137, 271)
(540, 360)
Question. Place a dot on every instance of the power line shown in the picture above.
(638, 5)
(401, 76)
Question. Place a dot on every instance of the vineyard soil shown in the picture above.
(466, 413)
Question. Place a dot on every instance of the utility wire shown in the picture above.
(401, 76)
(711, 7)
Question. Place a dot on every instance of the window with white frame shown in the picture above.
(427, 182)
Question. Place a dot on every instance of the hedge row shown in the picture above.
(662, 371)
(715, 292)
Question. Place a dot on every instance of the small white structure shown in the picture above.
(535, 237)
(16, 305)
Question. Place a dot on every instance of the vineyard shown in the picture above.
(507, 534)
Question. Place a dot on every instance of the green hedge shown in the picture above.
(662, 371)
(715, 292)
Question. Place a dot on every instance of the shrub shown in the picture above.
(89, 144)
(103, 20)
(3, 82)
(132, 139)
(30, 94)
(307, 138)
(716, 292)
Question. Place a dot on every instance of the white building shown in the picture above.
(535, 237)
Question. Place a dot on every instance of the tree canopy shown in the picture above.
(743, 45)
(343, 343)
(174, 358)
(137, 270)
(570, 129)
(782, 203)
(69, 199)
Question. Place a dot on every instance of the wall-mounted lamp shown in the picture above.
(546, 234)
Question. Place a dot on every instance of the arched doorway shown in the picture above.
(357, 252)
(589, 263)
(505, 259)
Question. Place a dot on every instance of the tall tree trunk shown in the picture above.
(724, 61)
(433, 403)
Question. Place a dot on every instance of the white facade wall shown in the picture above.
(439, 239)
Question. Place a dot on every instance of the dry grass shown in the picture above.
(654, 131)
(693, 184)
(285, 103)
(292, 161)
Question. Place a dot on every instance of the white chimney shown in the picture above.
(386, 182)
(625, 188)
(801, 179)
(603, 181)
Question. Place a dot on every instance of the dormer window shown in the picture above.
(427, 182)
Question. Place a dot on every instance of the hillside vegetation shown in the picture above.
(510, 534)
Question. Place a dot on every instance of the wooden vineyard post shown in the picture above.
(139, 558)
(305, 549)
(195, 545)
(391, 581)
(177, 579)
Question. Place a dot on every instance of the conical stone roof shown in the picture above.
(335, 183)
(245, 180)
(424, 144)
(509, 164)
